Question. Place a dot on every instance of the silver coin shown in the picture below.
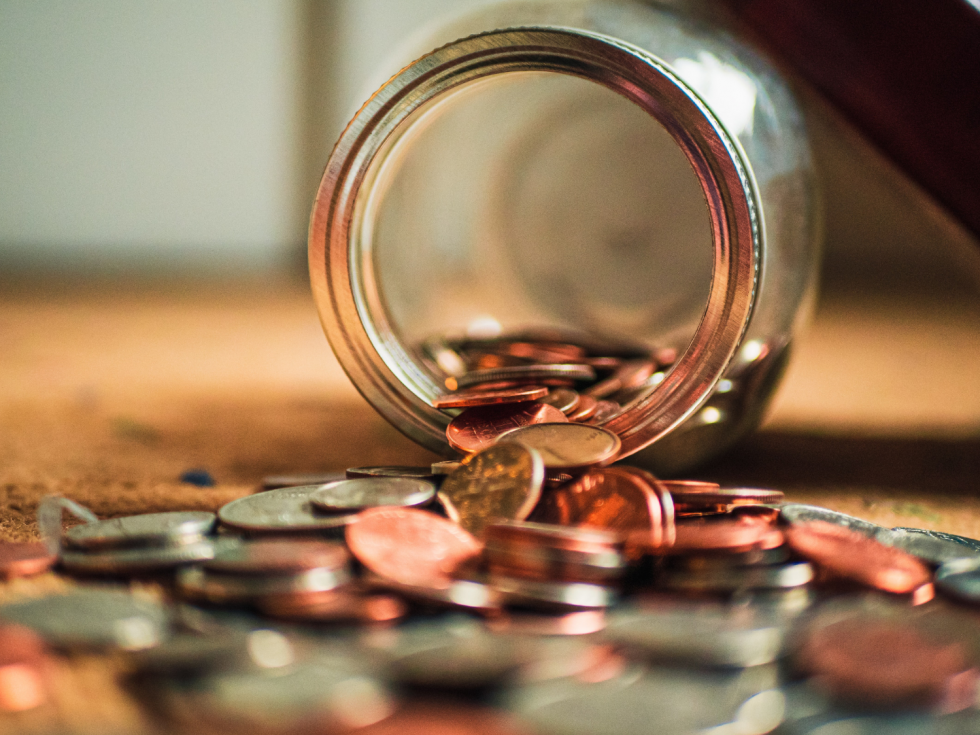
(566, 446)
(928, 546)
(228, 589)
(415, 473)
(780, 576)
(464, 594)
(92, 619)
(553, 595)
(373, 492)
(140, 530)
(525, 372)
(800, 513)
(275, 482)
(285, 509)
(960, 578)
(129, 561)
(705, 634)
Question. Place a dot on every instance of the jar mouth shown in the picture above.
(344, 283)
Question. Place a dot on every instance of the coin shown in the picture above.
(278, 556)
(285, 509)
(776, 576)
(628, 375)
(142, 530)
(567, 446)
(410, 546)
(604, 410)
(465, 594)
(25, 559)
(415, 473)
(522, 373)
(564, 399)
(444, 467)
(697, 496)
(135, 561)
(932, 547)
(554, 595)
(582, 622)
(23, 664)
(502, 482)
(274, 482)
(852, 555)
(338, 606)
(960, 578)
(372, 492)
(584, 409)
(478, 428)
(794, 513)
(230, 589)
(668, 512)
(490, 397)
(695, 537)
(92, 618)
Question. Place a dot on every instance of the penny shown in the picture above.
(410, 546)
(604, 410)
(554, 595)
(414, 473)
(337, 606)
(931, 547)
(522, 373)
(141, 530)
(713, 562)
(372, 492)
(92, 618)
(629, 374)
(490, 397)
(278, 556)
(25, 559)
(691, 496)
(230, 589)
(477, 428)
(567, 446)
(794, 513)
(274, 482)
(136, 561)
(23, 664)
(882, 662)
(564, 399)
(689, 485)
(502, 482)
(463, 594)
(284, 510)
(584, 409)
(694, 537)
(852, 555)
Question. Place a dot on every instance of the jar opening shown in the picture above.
(534, 178)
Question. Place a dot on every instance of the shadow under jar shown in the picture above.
(615, 176)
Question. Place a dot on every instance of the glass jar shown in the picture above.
(622, 171)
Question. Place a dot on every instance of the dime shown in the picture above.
(778, 576)
(478, 428)
(23, 664)
(554, 595)
(668, 512)
(135, 561)
(92, 618)
(410, 546)
(794, 513)
(459, 662)
(285, 509)
(502, 482)
(414, 473)
(274, 482)
(560, 553)
(142, 530)
(852, 555)
(230, 589)
(490, 397)
(567, 446)
(25, 559)
(565, 400)
(522, 373)
(372, 492)
(278, 556)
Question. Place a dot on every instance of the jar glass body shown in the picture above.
(619, 170)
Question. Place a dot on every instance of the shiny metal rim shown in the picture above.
(339, 244)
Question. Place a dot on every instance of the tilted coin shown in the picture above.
(278, 556)
(410, 546)
(133, 561)
(478, 428)
(415, 473)
(960, 578)
(229, 589)
(25, 559)
(567, 446)
(794, 513)
(465, 399)
(776, 576)
(92, 618)
(564, 399)
(706, 633)
(523, 373)
(372, 492)
(140, 530)
(275, 482)
(285, 509)
(549, 595)
(500, 483)
(932, 547)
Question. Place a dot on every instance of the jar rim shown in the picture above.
(346, 297)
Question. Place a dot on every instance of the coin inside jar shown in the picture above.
(567, 446)
(538, 374)
(372, 492)
(139, 530)
(477, 428)
(503, 482)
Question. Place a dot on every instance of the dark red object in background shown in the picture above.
(905, 72)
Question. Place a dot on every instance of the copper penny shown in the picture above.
(689, 485)
(851, 555)
(25, 559)
(23, 659)
(490, 397)
(617, 500)
(410, 546)
(709, 496)
(668, 512)
(477, 428)
(586, 408)
(278, 556)
(888, 663)
(564, 399)
(527, 374)
(630, 374)
(694, 537)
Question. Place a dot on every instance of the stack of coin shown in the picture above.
(145, 543)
